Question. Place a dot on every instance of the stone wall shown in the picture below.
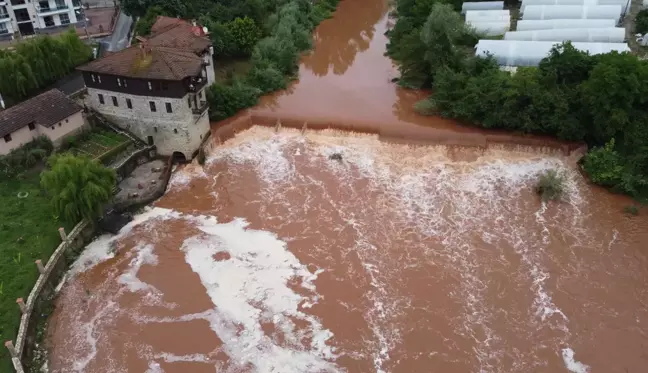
(178, 131)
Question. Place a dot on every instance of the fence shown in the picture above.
(51, 274)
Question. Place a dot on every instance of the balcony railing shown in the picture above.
(76, 3)
(4, 32)
(202, 106)
(4, 15)
(197, 83)
(53, 9)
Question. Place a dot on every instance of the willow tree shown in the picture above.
(79, 187)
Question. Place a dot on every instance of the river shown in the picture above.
(411, 253)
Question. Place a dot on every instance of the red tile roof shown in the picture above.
(45, 110)
(152, 62)
(178, 33)
(170, 53)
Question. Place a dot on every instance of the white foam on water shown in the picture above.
(571, 364)
(182, 177)
(251, 287)
(101, 248)
(154, 367)
(143, 255)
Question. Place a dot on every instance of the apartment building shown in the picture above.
(28, 17)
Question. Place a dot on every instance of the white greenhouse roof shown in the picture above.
(623, 3)
(500, 18)
(488, 13)
(482, 5)
(530, 53)
(548, 24)
(572, 12)
(491, 28)
(596, 35)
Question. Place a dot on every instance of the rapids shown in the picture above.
(401, 257)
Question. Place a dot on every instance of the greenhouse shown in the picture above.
(548, 24)
(623, 3)
(487, 13)
(572, 12)
(530, 53)
(491, 28)
(596, 35)
(501, 18)
(482, 5)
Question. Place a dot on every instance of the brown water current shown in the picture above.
(403, 256)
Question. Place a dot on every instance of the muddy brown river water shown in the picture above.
(403, 256)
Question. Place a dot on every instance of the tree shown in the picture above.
(79, 187)
(245, 34)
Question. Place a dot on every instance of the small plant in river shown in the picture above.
(551, 185)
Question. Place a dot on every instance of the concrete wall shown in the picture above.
(69, 126)
(179, 131)
(211, 75)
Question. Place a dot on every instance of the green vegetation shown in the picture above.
(93, 143)
(270, 34)
(27, 156)
(39, 62)
(601, 100)
(641, 22)
(551, 185)
(78, 187)
(28, 231)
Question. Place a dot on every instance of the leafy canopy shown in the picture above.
(79, 187)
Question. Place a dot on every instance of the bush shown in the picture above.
(226, 100)
(551, 185)
(25, 157)
(641, 22)
(245, 34)
(426, 107)
(267, 79)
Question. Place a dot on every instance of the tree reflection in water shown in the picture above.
(335, 44)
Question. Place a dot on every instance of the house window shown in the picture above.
(115, 103)
(155, 129)
(152, 106)
(99, 78)
(93, 78)
(66, 121)
(119, 82)
(101, 99)
(65, 19)
(59, 124)
(169, 108)
(189, 101)
(150, 86)
(125, 84)
(175, 130)
(165, 86)
(129, 103)
(200, 95)
(49, 21)
(7, 138)
(31, 126)
(52, 128)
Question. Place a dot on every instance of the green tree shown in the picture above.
(79, 187)
(245, 34)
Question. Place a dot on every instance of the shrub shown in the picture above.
(641, 22)
(245, 34)
(25, 157)
(551, 185)
(426, 107)
(603, 165)
(226, 100)
(267, 79)
(276, 52)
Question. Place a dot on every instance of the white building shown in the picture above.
(51, 114)
(29, 17)
(156, 90)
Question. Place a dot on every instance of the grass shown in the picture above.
(551, 185)
(28, 231)
(226, 69)
(97, 143)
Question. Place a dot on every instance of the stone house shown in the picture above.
(51, 114)
(156, 89)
